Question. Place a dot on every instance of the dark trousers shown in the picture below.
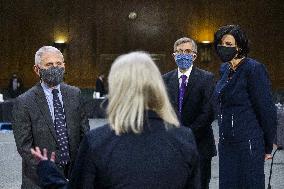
(241, 165)
(205, 172)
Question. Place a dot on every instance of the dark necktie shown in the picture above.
(60, 128)
(181, 92)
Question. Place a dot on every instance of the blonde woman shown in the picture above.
(143, 145)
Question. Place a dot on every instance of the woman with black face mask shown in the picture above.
(246, 113)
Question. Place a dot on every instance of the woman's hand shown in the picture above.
(40, 157)
(267, 157)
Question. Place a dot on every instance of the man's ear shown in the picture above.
(239, 49)
(194, 56)
(36, 70)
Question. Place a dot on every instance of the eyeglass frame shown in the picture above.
(184, 52)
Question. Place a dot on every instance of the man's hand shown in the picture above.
(40, 157)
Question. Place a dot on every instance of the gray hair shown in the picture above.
(46, 49)
(185, 40)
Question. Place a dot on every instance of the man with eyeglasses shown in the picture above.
(48, 115)
(190, 90)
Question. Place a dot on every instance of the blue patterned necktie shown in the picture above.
(60, 128)
(181, 92)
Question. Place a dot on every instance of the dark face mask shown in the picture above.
(52, 76)
(226, 53)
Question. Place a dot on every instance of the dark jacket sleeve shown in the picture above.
(50, 176)
(188, 149)
(194, 181)
(22, 130)
(206, 116)
(259, 89)
(85, 127)
(84, 170)
(82, 176)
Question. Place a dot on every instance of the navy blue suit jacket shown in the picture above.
(156, 158)
(244, 104)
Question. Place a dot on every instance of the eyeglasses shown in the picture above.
(186, 51)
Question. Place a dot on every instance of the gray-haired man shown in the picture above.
(49, 115)
(190, 90)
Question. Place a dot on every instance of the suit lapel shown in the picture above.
(173, 89)
(67, 103)
(226, 84)
(190, 84)
(44, 109)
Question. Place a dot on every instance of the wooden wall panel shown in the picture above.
(92, 28)
(25, 27)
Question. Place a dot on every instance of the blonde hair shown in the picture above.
(136, 85)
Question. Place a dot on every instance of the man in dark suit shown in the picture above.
(15, 86)
(100, 87)
(48, 115)
(190, 90)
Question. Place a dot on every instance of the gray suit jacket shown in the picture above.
(33, 126)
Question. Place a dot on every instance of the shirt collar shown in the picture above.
(47, 90)
(187, 73)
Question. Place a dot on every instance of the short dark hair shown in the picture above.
(239, 35)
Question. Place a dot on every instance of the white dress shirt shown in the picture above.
(187, 73)
(49, 97)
